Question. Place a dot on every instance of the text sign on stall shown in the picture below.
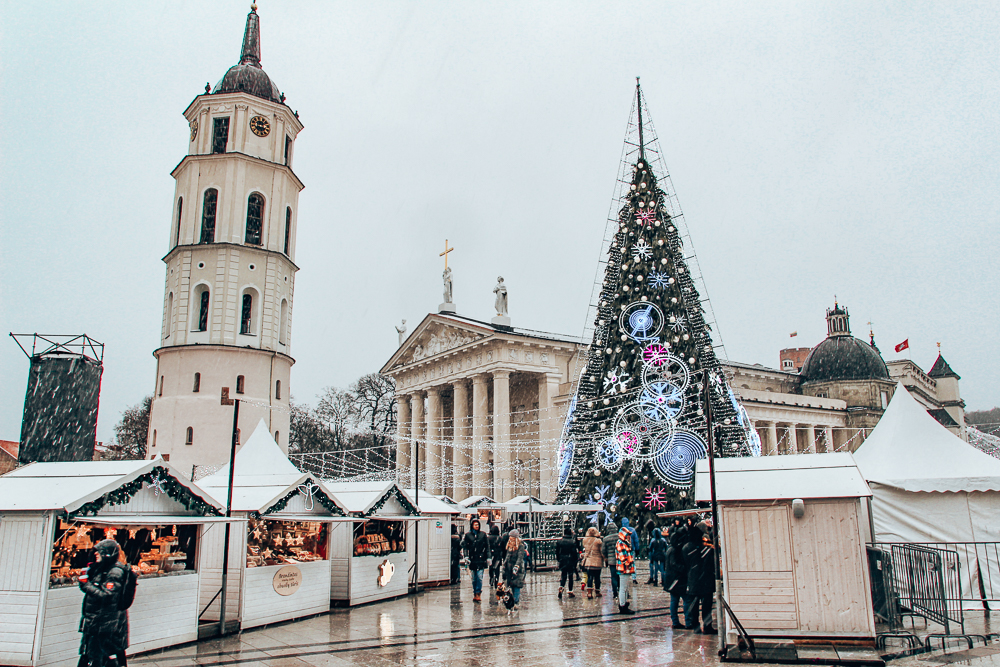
(287, 580)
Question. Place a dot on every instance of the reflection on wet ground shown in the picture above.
(444, 626)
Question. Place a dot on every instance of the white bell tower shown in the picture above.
(230, 270)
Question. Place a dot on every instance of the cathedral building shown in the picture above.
(230, 268)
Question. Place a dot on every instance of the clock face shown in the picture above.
(260, 126)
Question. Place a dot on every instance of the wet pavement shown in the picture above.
(444, 626)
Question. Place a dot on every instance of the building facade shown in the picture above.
(230, 269)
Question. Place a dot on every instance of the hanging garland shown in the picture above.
(328, 504)
(158, 478)
(398, 495)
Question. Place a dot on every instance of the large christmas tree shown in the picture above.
(638, 421)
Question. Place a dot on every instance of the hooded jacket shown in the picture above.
(608, 544)
(624, 554)
(657, 546)
(101, 618)
(477, 548)
(699, 555)
(635, 535)
(567, 552)
(675, 570)
(515, 566)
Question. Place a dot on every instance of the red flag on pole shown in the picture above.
(905, 345)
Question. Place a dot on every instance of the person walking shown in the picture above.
(477, 552)
(657, 553)
(675, 572)
(456, 555)
(634, 536)
(699, 555)
(593, 560)
(496, 555)
(567, 556)
(104, 621)
(515, 566)
(625, 563)
(608, 548)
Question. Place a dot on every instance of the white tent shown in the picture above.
(928, 485)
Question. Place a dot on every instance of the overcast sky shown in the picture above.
(817, 149)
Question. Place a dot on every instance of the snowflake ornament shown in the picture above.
(655, 354)
(646, 217)
(659, 280)
(607, 502)
(655, 498)
(641, 250)
(616, 382)
(678, 324)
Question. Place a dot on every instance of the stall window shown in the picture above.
(273, 542)
(150, 550)
(377, 538)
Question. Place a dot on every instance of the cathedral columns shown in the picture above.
(502, 477)
(811, 438)
(793, 441)
(417, 434)
(828, 431)
(549, 431)
(480, 455)
(460, 445)
(435, 469)
(772, 438)
(403, 441)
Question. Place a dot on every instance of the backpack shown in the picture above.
(129, 584)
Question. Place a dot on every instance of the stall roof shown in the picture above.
(910, 450)
(782, 478)
(535, 508)
(366, 498)
(431, 504)
(263, 476)
(517, 500)
(69, 485)
(473, 501)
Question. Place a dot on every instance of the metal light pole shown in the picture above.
(716, 526)
(229, 506)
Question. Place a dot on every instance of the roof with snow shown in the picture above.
(375, 499)
(910, 450)
(781, 478)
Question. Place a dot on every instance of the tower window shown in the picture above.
(208, 209)
(189, 438)
(288, 226)
(277, 390)
(160, 391)
(220, 135)
(240, 384)
(283, 323)
(169, 315)
(197, 383)
(255, 219)
(177, 229)
(246, 317)
(277, 434)
(288, 149)
(154, 437)
(203, 309)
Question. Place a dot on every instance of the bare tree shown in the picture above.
(131, 433)
(336, 411)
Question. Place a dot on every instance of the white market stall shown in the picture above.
(930, 486)
(433, 538)
(51, 516)
(370, 557)
(279, 567)
(793, 549)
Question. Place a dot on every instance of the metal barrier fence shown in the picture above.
(928, 582)
(885, 601)
(979, 571)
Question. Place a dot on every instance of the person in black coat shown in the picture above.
(496, 554)
(456, 555)
(699, 555)
(675, 570)
(103, 624)
(567, 554)
(477, 551)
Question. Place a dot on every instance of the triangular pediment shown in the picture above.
(434, 336)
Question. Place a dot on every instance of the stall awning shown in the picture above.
(306, 517)
(153, 519)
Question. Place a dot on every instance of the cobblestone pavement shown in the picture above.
(444, 626)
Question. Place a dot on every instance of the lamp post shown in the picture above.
(229, 506)
(719, 610)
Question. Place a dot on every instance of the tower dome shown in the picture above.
(248, 76)
(842, 356)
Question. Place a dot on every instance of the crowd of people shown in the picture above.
(681, 560)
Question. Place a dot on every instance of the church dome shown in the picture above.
(248, 76)
(842, 356)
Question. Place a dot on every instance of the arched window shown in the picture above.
(277, 434)
(189, 439)
(288, 226)
(255, 219)
(154, 437)
(208, 209)
(169, 316)
(277, 390)
(177, 229)
(203, 299)
(283, 323)
(240, 384)
(246, 315)
(160, 392)
(197, 383)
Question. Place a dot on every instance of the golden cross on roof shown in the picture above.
(445, 253)
(939, 346)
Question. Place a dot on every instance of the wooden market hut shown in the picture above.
(52, 515)
(279, 566)
(433, 539)
(371, 557)
(793, 551)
